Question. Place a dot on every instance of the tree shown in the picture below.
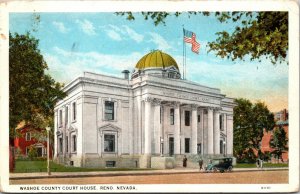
(33, 93)
(256, 34)
(279, 142)
(249, 122)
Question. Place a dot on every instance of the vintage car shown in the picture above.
(220, 164)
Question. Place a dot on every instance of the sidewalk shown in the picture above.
(38, 175)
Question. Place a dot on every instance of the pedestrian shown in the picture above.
(184, 161)
(261, 163)
(200, 164)
(257, 163)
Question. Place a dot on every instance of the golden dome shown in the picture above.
(156, 59)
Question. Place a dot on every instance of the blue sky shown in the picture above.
(106, 43)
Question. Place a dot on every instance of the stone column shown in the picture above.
(157, 129)
(177, 129)
(210, 131)
(229, 139)
(216, 132)
(55, 135)
(148, 119)
(202, 130)
(194, 129)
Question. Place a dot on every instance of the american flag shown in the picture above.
(190, 37)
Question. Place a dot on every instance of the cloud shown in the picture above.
(114, 35)
(133, 34)
(122, 33)
(161, 43)
(60, 27)
(86, 26)
(67, 65)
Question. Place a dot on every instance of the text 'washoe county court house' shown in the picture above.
(149, 120)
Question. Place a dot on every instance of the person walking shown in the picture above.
(184, 161)
(200, 164)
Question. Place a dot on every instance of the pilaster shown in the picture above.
(210, 130)
(194, 129)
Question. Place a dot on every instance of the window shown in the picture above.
(60, 141)
(109, 143)
(172, 116)
(171, 75)
(74, 143)
(110, 164)
(187, 118)
(221, 146)
(221, 122)
(199, 148)
(187, 145)
(160, 112)
(74, 111)
(60, 118)
(198, 118)
(67, 115)
(28, 136)
(109, 110)
(67, 144)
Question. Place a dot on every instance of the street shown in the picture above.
(246, 177)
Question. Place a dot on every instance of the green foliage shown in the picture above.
(32, 153)
(33, 93)
(279, 142)
(249, 121)
(256, 34)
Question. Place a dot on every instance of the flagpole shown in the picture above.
(183, 44)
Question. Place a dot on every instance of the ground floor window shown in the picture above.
(109, 143)
(199, 148)
(74, 143)
(60, 145)
(187, 145)
(67, 144)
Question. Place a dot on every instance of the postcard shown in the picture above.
(151, 96)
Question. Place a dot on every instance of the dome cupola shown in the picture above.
(157, 63)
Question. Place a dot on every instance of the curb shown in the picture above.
(133, 174)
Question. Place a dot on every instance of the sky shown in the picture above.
(106, 43)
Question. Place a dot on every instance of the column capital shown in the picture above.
(175, 104)
(194, 106)
(156, 101)
(148, 99)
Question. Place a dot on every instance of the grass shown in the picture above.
(41, 166)
(266, 165)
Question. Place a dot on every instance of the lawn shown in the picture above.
(267, 165)
(41, 166)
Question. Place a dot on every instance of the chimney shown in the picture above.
(126, 74)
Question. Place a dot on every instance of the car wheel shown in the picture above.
(230, 169)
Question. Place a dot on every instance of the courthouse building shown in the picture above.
(149, 119)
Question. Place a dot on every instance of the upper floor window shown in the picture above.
(28, 136)
(109, 110)
(172, 116)
(221, 122)
(60, 118)
(187, 118)
(74, 111)
(67, 115)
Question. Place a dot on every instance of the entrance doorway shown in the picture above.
(171, 146)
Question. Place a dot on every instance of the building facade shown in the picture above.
(281, 120)
(30, 139)
(152, 118)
